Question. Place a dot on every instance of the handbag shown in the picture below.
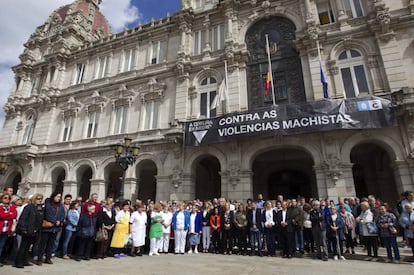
(393, 230)
(372, 228)
(101, 235)
(47, 224)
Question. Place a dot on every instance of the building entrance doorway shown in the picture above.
(286, 172)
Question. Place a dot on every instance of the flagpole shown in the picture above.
(270, 68)
(324, 81)
(227, 83)
(319, 51)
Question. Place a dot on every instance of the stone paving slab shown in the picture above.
(211, 264)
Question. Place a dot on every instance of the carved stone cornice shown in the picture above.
(154, 90)
(71, 108)
(95, 103)
(123, 97)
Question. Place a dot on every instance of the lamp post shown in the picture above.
(125, 155)
(3, 166)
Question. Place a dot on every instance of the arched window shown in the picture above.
(354, 77)
(208, 91)
(28, 129)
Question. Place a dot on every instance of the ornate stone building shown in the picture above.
(80, 89)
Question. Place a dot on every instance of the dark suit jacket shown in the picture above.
(259, 218)
(288, 220)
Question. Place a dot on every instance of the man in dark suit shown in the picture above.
(285, 230)
(254, 223)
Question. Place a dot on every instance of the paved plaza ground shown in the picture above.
(211, 264)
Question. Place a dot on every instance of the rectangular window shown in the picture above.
(348, 83)
(353, 8)
(93, 119)
(198, 4)
(67, 128)
(217, 37)
(151, 114)
(120, 119)
(129, 60)
(361, 79)
(199, 41)
(33, 88)
(102, 67)
(158, 54)
(205, 104)
(325, 12)
(80, 71)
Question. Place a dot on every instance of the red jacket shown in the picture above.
(7, 216)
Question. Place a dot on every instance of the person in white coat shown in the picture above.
(166, 215)
(138, 223)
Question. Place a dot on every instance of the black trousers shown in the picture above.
(84, 248)
(242, 240)
(286, 241)
(227, 240)
(47, 241)
(23, 256)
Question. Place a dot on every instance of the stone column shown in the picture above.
(98, 186)
(45, 188)
(130, 187)
(183, 189)
(403, 174)
(70, 187)
(163, 188)
(320, 174)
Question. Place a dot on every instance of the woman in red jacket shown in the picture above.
(215, 223)
(8, 213)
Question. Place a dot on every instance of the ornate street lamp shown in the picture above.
(3, 166)
(125, 155)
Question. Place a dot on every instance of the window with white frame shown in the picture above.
(151, 114)
(199, 41)
(79, 73)
(67, 128)
(28, 129)
(121, 113)
(208, 91)
(102, 67)
(353, 8)
(217, 37)
(129, 60)
(354, 77)
(158, 52)
(325, 12)
(93, 120)
(198, 4)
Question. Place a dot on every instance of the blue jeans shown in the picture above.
(299, 239)
(66, 241)
(255, 237)
(391, 242)
(3, 239)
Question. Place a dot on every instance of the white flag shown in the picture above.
(219, 96)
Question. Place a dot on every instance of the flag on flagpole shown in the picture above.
(219, 95)
(324, 82)
(268, 83)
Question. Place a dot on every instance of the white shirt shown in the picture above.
(284, 215)
(180, 221)
(192, 222)
(167, 218)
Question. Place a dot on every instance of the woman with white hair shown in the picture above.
(87, 230)
(407, 222)
(366, 220)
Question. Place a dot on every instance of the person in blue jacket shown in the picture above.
(195, 229)
(54, 215)
(180, 225)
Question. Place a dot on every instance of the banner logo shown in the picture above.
(369, 105)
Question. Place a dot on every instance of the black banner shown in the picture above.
(290, 119)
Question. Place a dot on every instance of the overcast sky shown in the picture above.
(19, 19)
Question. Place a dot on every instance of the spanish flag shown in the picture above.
(268, 83)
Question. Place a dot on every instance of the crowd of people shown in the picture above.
(35, 229)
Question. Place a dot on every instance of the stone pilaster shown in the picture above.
(98, 186)
(70, 187)
(130, 187)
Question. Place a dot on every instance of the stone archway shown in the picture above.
(288, 172)
(286, 63)
(58, 177)
(373, 173)
(113, 180)
(147, 182)
(84, 176)
(207, 178)
(14, 180)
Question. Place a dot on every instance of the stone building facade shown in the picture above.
(80, 89)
